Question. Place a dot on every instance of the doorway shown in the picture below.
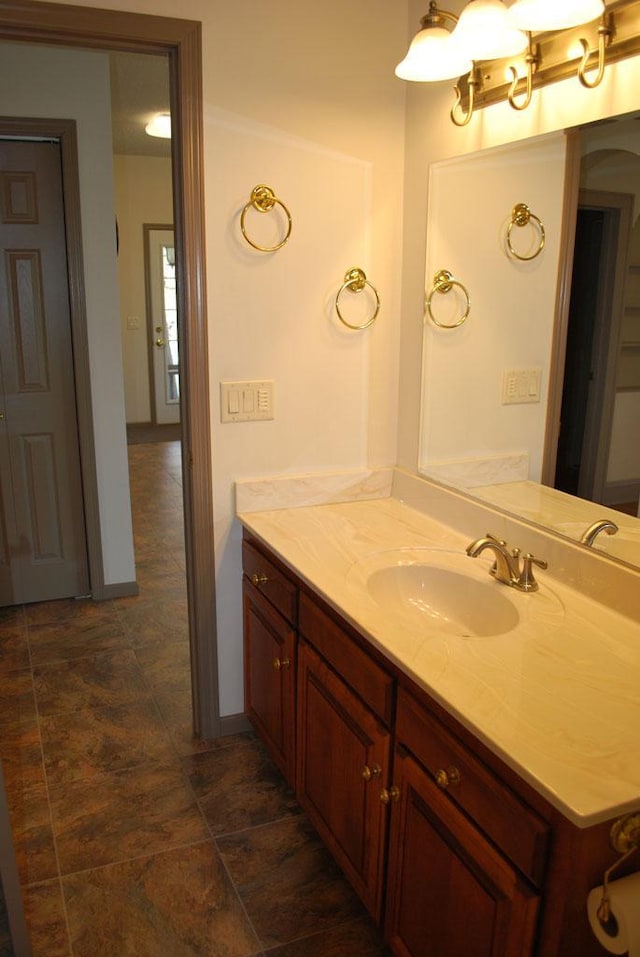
(162, 324)
(180, 40)
(595, 317)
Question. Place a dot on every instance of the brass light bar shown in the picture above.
(551, 50)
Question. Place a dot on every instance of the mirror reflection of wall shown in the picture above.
(472, 437)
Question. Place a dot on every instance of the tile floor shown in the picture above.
(133, 838)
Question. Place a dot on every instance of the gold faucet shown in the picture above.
(603, 525)
(507, 568)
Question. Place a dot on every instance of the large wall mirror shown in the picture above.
(531, 362)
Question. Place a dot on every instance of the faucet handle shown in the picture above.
(526, 581)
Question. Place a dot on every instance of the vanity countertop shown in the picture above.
(557, 699)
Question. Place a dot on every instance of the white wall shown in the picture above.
(48, 82)
(465, 421)
(143, 195)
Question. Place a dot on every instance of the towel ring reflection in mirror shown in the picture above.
(443, 282)
(263, 199)
(521, 215)
(355, 281)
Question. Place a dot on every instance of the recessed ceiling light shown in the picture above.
(160, 126)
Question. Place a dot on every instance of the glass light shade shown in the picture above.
(160, 126)
(484, 32)
(432, 56)
(540, 15)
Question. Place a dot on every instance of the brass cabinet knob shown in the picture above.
(448, 778)
(279, 663)
(392, 794)
(160, 342)
(258, 578)
(371, 772)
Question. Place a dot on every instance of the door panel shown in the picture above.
(41, 489)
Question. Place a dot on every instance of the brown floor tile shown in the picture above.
(67, 610)
(287, 881)
(125, 814)
(180, 904)
(21, 754)
(82, 744)
(108, 679)
(176, 711)
(166, 666)
(46, 922)
(239, 787)
(14, 647)
(161, 621)
(32, 835)
(63, 641)
(16, 698)
(358, 938)
(20, 746)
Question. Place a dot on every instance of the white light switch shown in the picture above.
(521, 385)
(246, 401)
(133, 322)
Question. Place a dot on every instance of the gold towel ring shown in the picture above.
(263, 199)
(355, 280)
(521, 215)
(443, 282)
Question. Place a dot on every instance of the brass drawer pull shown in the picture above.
(392, 794)
(281, 663)
(448, 778)
(373, 772)
(258, 578)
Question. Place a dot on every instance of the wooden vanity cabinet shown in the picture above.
(344, 749)
(448, 848)
(452, 889)
(270, 608)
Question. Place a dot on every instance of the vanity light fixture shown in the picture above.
(484, 31)
(160, 126)
(433, 54)
(496, 60)
(539, 15)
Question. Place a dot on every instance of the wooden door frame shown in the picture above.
(32, 21)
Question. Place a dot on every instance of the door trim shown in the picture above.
(32, 21)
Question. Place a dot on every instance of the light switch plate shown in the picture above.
(246, 401)
(521, 385)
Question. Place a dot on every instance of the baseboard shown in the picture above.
(617, 493)
(234, 724)
(119, 590)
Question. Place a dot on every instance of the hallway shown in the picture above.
(132, 837)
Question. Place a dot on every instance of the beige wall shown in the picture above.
(143, 196)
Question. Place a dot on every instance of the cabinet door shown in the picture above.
(343, 762)
(269, 667)
(450, 893)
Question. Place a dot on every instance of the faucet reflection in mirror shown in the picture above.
(490, 47)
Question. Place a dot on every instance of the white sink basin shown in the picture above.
(446, 591)
(452, 601)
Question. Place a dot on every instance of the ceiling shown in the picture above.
(139, 89)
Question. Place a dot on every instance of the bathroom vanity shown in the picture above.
(454, 775)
